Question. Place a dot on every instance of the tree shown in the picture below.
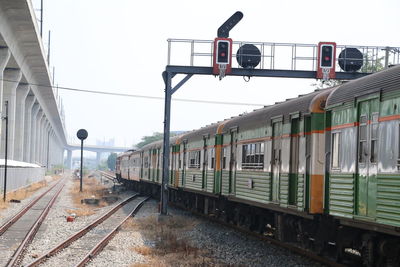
(112, 158)
(320, 84)
(370, 64)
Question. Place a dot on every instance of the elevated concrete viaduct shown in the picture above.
(36, 130)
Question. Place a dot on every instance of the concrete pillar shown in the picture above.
(69, 159)
(39, 138)
(35, 118)
(22, 92)
(4, 57)
(12, 77)
(32, 144)
(46, 145)
(98, 158)
(42, 140)
(29, 102)
(53, 150)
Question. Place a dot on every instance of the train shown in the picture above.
(321, 170)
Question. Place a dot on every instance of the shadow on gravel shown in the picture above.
(165, 244)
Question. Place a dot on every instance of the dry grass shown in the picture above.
(170, 247)
(22, 193)
(143, 250)
(91, 188)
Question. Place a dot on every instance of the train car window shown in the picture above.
(253, 156)
(374, 138)
(212, 158)
(335, 150)
(224, 158)
(262, 152)
(363, 149)
(194, 159)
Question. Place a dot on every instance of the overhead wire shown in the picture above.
(140, 96)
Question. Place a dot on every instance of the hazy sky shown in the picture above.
(120, 46)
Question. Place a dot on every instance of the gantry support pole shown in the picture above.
(167, 76)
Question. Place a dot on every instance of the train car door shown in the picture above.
(141, 163)
(184, 163)
(173, 163)
(232, 161)
(178, 165)
(158, 164)
(276, 159)
(205, 164)
(149, 164)
(154, 165)
(294, 160)
(366, 185)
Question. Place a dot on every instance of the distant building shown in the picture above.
(110, 142)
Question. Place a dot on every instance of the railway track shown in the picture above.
(20, 230)
(82, 246)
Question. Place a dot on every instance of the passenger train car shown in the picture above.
(321, 170)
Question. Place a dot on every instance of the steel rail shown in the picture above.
(99, 246)
(19, 214)
(298, 250)
(108, 175)
(64, 244)
(18, 254)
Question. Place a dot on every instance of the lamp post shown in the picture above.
(82, 134)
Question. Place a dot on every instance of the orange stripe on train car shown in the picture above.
(389, 118)
(316, 193)
(342, 126)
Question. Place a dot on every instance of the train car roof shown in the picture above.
(301, 104)
(208, 130)
(383, 81)
(157, 144)
(126, 153)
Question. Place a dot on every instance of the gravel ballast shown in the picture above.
(211, 245)
(179, 239)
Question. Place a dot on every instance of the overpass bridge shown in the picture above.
(91, 148)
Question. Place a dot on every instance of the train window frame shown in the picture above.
(374, 138)
(362, 143)
(194, 159)
(224, 153)
(253, 156)
(212, 156)
(333, 150)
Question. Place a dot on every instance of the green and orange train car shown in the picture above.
(321, 170)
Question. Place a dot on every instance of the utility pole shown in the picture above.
(48, 49)
(5, 154)
(41, 18)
